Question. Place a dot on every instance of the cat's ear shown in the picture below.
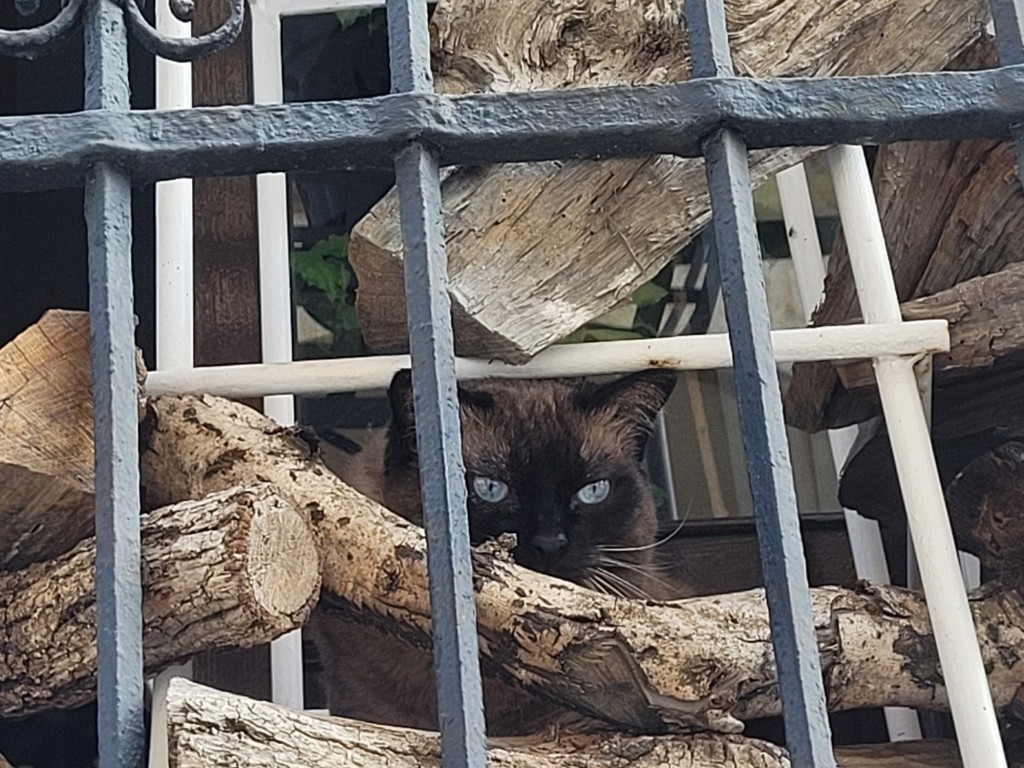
(636, 398)
(402, 434)
(402, 431)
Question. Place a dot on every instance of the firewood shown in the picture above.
(209, 728)
(46, 442)
(235, 569)
(986, 324)
(951, 211)
(536, 250)
(984, 500)
(640, 666)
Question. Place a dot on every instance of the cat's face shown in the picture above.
(555, 462)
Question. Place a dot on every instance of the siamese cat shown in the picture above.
(556, 462)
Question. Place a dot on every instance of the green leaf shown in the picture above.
(325, 266)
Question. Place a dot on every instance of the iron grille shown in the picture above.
(107, 148)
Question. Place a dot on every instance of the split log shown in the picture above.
(237, 568)
(986, 324)
(209, 728)
(536, 250)
(46, 440)
(951, 211)
(648, 667)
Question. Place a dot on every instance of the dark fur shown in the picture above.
(545, 439)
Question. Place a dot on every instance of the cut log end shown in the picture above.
(236, 568)
(283, 562)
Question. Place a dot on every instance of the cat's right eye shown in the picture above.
(489, 489)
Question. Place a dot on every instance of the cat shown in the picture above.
(557, 462)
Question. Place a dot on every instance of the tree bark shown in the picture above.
(46, 440)
(647, 667)
(984, 500)
(986, 324)
(236, 568)
(209, 728)
(536, 250)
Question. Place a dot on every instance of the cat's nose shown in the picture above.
(550, 544)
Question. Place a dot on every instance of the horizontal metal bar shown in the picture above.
(42, 151)
(847, 342)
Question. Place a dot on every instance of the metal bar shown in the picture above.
(1008, 18)
(681, 353)
(955, 637)
(808, 734)
(438, 434)
(42, 151)
(121, 724)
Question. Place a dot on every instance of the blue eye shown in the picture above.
(594, 493)
(489, 489)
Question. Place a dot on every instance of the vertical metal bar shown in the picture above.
(442, 474)
(808, 735)
(1008, 18)
(118, 583)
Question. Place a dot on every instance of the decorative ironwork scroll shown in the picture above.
(38, 41)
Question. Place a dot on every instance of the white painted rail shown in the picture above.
(679, 353)
(966, 681)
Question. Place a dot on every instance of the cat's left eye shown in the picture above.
(594, 493)
(489, 489)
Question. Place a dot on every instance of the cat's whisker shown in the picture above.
(606, 585)
(645, 547)
(666, 568)
(624, 586)
(645, 571)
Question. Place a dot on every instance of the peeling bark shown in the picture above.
(237, 568)
(208, 728)
(648, 667)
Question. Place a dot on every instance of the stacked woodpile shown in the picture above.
(244, 522)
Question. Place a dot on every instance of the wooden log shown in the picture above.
(986, 324)
(704, 662)
(984, 500)
(209, 728)
(237, 568)
(536, 250)
(951, 211)
(46, 440)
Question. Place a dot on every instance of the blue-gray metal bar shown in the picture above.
(108, 197)
(42, 151)
(1008, 17)
(808, 735)
(438, 435)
